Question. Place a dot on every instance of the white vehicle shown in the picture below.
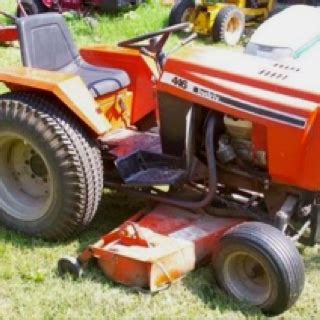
(292, 34)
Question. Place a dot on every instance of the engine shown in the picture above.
(242, 141)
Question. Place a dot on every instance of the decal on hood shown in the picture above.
(232, 102)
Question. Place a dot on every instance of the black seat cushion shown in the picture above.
(46, 43)
(99, 80)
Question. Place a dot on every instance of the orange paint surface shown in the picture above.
(141, 77)
(69, 88)
(293, 152)
(8, 33)
(177, 240)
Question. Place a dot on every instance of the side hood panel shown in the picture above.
(282, 97)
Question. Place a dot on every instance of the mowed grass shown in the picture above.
(29, 285)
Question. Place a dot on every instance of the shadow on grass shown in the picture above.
(312, 262)
(6, 44)
(113, 210)
(201, 283)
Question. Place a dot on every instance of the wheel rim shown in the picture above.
(26, 184)
(233, 31)
(187, 14)
(246, 278)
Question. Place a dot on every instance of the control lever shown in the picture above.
(160, 57)
(183, 43)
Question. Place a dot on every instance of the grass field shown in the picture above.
(29, 285)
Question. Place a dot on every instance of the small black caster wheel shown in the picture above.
(69, 265)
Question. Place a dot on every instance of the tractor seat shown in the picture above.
(46, 43)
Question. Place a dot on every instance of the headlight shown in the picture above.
(274, 53)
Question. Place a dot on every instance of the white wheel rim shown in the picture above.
(246, 278)
(234, 30)
(187, 14)
(26, 185)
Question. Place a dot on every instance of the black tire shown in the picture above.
(228, 17)
(71, 266)
(73, 175)
(178, 10)
(32, 7)
(257, 264)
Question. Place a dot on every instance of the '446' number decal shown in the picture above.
(181, 83)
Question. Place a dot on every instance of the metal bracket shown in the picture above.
(283, 216)
(315, 224)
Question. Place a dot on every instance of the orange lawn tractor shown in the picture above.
(224, 144)
(7, 33)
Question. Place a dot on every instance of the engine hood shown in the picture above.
(293, 84)
(293, 28)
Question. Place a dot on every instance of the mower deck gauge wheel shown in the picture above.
(71, 266)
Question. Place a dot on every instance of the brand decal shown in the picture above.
(232, 102)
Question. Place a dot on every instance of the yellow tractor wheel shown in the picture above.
(182, 11)
(229, 25)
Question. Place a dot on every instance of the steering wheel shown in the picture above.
(156, 39)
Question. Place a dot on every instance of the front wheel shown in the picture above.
(259, 265)
(182, 11)
(229, 25)
(50, 168)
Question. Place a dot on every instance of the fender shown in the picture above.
(140, 73)
(68, 88)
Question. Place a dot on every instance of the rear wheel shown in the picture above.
(182, 11)
(31, 7)
(50, 168)
(257, 264)
(229, 25)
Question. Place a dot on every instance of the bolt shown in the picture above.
(33, 176)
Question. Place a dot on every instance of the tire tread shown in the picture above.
(78, 153)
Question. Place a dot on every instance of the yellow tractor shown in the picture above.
(223, 21)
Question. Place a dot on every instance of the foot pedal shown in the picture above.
(143, 168)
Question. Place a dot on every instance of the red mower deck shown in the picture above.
(158, 246)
